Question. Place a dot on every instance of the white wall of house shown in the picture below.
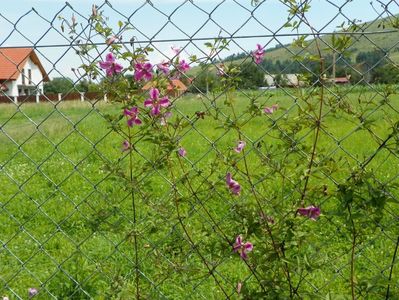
(36, 81)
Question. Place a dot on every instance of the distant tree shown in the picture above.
(387, 74)
(58, 85)
(205, 81)
(83, 86)
(251, 76)
(372, 58)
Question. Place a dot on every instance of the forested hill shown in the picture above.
(370, 36)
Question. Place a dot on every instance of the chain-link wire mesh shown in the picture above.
(81, 217)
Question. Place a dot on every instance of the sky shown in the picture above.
(170, 23)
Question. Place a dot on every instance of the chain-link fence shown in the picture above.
(109, 190)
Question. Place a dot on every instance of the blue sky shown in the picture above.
(228, 17)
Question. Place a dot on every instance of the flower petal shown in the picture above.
(248, 246)
(148, 103)
(154, 93)
(164, 102)
(110, 57)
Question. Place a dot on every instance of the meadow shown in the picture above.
(66, 218)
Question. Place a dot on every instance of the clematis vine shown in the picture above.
(270, 110)
(233, 185)
(258, 54)
(183, 67)
(176, 50)
(240, 146)
(182, 152)
(312, 212)
(163, 67)
(125, 145)
(110, 66)
(132, 115)
(143, 70)
(112, 40)
(242, 248)
(239, 287)
(155, 102)
(32, 292)
(220, 70)
(164, 118)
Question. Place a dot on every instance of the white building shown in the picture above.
(21, 72)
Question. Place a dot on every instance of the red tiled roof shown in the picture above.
(173, 84)
(341, 79)
(12, 61)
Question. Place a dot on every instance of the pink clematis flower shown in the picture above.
(183, 67)
(270, 110)
(32, 292)
(143, 70)
(125, 145)
(155, 102)
(163, 67)
(182, 152)
(110, 66)
(242, 247)
(258, 54)
(112, 40)
(240, 146)
(233, 185)
(312, 212)
(176, 50)
(132, 115)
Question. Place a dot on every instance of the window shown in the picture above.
(30, 76)
(23, 76)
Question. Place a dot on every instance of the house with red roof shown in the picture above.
(175, 88)
(21, 72)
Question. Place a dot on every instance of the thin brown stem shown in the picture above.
(352, 262)
(187, 179)
(180, 219)
(391, 269)
(276, 248)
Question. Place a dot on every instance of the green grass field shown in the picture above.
(66, 222)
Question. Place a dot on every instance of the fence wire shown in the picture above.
(82, 217)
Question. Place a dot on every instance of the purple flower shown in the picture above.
(143, 70)
(242, 247)
(176, 50)
(163, 67)
(233, 185)
(312, 212)
(258, 54)
(111, 40)
(183, 67)
(110, 66)
(32, 292)
(132, 115)
(155, 102)
(164, 118)
(240, 146)
(270, 110)
(125, 145)
(182, 152)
